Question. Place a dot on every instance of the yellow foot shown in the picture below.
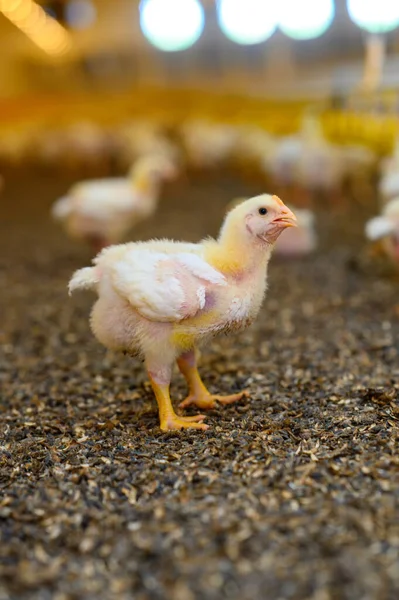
(175, 422)
(208, 401)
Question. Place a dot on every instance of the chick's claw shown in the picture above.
(174, 422)
(204, 402)
(208, 401)
(232, 398)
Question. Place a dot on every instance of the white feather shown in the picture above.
(198, 267)
(201, 295)
(379, 227)
(389, 185)
(84, 279)
(161, 286)
(152, 294)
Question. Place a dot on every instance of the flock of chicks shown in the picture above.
(304, 167)
(160, 300)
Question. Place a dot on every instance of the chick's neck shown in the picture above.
(236, 253)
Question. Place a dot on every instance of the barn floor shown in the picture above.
(291, 494)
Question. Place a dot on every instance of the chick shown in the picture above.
(102, 211)
(306, 162)
(253, 152)
(142, 138)
(299, 241)
(161, 300)
(207, 145)
(385, 230)
(85, 148)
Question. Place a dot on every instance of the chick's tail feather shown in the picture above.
(84, 279)
(61, 208)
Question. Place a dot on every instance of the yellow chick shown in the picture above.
(160, 300)
(102, 211)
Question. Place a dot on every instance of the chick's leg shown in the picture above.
(169, 420)
(198, 394)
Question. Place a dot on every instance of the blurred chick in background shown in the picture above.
(358, 162)
(253, 152)
(384, 231)
(83, 148)
(300, 240)
(207, 145)
(305, 165)
(102, 211)
(86, 148)
(142, 138)
(161, 299)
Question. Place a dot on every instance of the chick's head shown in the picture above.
(259, 220)
(154, 168)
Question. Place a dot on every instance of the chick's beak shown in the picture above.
(285, 218)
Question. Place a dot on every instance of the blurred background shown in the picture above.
(172, 58)
(299, 99)
(89, 86)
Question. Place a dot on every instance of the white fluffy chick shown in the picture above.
(161, 299)
(207, 145)
(51, 147)
(356, 159)
(385, 229)
(142, 138)
(102, 211)
(86, 144)
(302, 239)
(255, 148)
(307, 160)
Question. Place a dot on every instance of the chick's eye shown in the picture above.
(263, 211)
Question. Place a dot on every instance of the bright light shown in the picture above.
(172, 25)
(305, 19)
(376, 16)
(80, 13)
(39, 27)
(248, 21)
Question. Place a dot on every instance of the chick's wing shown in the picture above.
(164, 287)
